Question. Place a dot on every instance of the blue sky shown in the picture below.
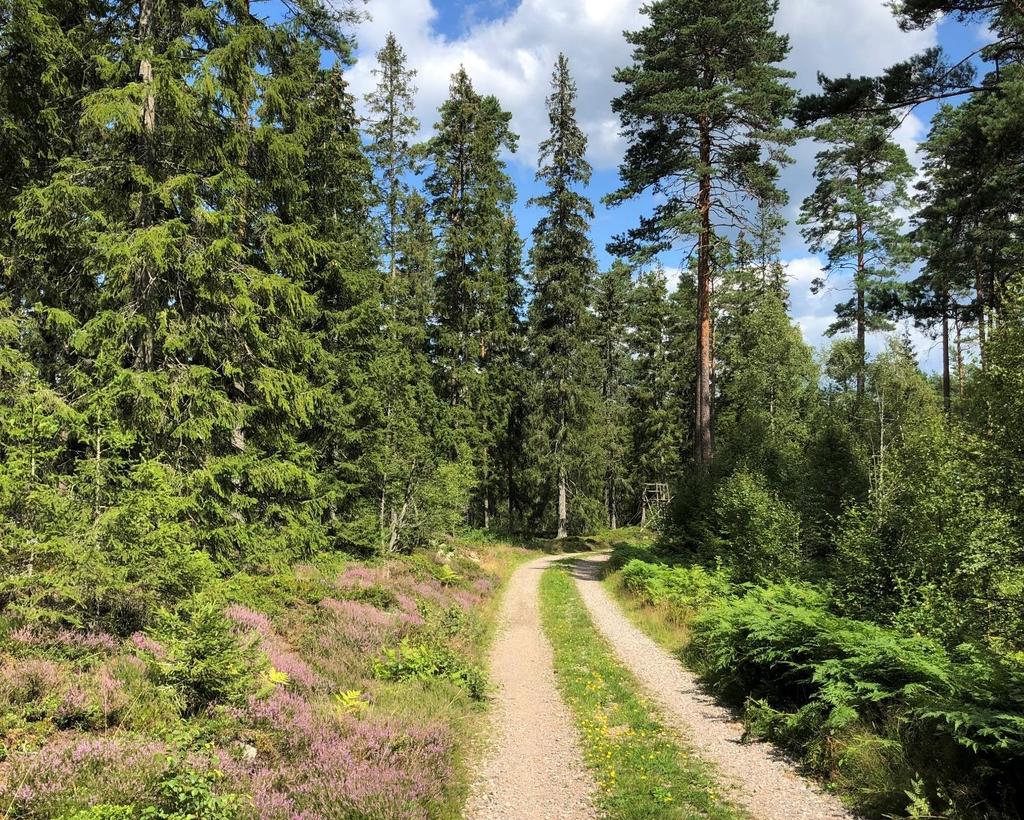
(509, 47)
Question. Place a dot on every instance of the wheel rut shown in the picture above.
(534, 766)
(763, 780)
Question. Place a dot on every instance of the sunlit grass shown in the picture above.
(642, 769)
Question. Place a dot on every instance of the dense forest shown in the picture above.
(242, 326)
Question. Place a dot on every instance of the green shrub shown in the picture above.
(624, 553)
(188, 794)
(757, 535)
(928, 553)
(685, 587)
(837, 690)
(205, 662)
(425, 661)
(374, 595)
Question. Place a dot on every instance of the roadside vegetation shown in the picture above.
(897, 723)
(267, 350)
(641, 768)
(333, 688)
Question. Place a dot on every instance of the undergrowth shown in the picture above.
(329, 689)
(900, 725)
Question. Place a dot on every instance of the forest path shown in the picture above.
(534, 767)
(765, 783)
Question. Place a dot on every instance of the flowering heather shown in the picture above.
(327, 765)
(110, 694)
(281, 656)
(407, 587)
(251, 620)
(74, 707)
(367, 627)
(430, 589)
(358, 575)
(144, 643)
(115, 770)
(407, 604)
(23, 681)
(66, 639)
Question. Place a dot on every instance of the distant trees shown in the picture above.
(853, 217)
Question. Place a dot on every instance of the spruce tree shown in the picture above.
(563, 271)
(390, 129)
(400, 459)
(702, 113)
(476, 305)
(852, 216)
(656, 431)
(613, 298)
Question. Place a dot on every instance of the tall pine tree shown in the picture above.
(852, 216)
(702, 112)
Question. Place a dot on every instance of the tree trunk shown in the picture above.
(980, 288)
(862, 350)
(563, 505)
(146, 67)
(959, 362)
(702, 416)
(946, 391)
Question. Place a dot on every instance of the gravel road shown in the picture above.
(763, 780)
(534, 768)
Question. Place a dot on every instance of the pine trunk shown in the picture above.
(862, 349)
(980, 288)
(702, 415)
(946, 387)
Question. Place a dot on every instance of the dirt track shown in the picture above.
(534, 767)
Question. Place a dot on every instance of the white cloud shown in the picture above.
(813, 328)
(802, 272)
(512, 56)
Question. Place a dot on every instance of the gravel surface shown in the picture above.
(534, 767)
(764, 781)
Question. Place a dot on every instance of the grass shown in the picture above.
(642, 769)
(661, 622)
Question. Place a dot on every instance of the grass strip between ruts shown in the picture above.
(641, 768)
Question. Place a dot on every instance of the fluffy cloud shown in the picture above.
(512, 56)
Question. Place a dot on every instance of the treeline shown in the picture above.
(242, 325)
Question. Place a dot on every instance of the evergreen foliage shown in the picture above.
(852, 216)
(245, 334)
(702, 113)
(475, 338)
(563, 271)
